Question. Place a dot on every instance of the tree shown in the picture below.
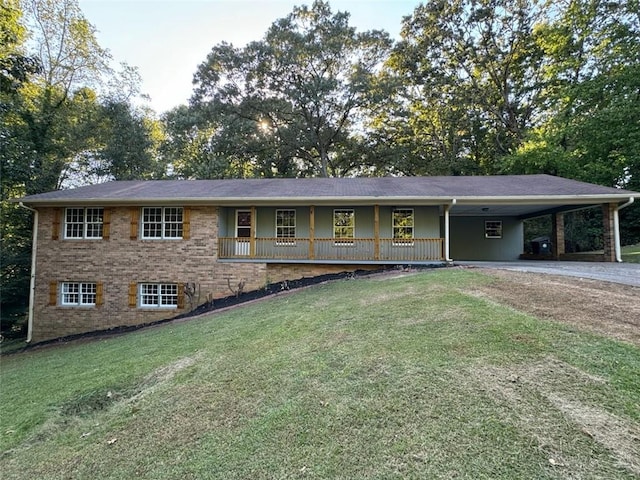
(73, 62)
(131, 140)
(15, 71)
(470, 80)
(213, 145)
(15, 67)
(47, 106)
(289, 103)
(590, 126)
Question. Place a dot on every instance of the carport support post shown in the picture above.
(609, 231)
(557, 227)
(446, 246)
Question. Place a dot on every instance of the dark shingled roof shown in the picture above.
(470, 187)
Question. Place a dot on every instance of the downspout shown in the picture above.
(446, 230)
(32, 283)
(616, 228)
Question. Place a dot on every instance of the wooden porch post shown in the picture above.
(376, 232)
(252, 240)
(312, 228)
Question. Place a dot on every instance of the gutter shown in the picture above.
(447, 250)
(578, 199)
(616, 228)
(32, 281)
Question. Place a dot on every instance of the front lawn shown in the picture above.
(408, 376)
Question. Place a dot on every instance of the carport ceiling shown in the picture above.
(519, 211)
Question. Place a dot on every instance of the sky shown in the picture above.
(168, 39)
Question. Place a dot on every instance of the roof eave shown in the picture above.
(336, 200)
(546, 199)
(242, 201)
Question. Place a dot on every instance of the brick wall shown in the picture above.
(277, 272)
(119, 261)
(558, 237)
(608, 210)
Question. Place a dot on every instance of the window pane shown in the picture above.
(285, 223)
(94, 218)
(70, 293)
(152, 222)
(74, 223)
(243, 219)
(493, 229)
(173, 222)
(88, 293)
(149, 294)
(169, 294)
(403, 224)
(343, 223)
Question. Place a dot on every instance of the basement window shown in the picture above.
(158, 295)
(493, 229)
(78, 294)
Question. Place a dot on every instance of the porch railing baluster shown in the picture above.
(333, 249)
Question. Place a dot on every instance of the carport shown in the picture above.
(474, 220)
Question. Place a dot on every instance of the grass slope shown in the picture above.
(411, 377)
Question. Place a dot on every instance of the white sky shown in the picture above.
(168, 39)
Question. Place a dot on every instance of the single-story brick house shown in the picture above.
(131, 252)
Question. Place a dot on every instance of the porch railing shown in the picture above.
(334, 249)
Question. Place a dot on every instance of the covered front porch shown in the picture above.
(406, 233)
(361, 234)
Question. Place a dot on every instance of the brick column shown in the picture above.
(557, 232)
(608, 232)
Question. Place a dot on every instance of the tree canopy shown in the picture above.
(294, 103)
(60, 125)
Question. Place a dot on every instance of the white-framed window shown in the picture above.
(158, 295)
(402, 225)
(344, 226)
(493, 229)
(78, 294)
(162, 222)
(285, 226)
(83, 222)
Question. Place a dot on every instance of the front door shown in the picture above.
(243, 232)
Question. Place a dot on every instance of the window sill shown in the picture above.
(152, 308)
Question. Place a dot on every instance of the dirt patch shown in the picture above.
(539, 394)
(600, 307)
(619, 436)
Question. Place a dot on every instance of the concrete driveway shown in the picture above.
(625, 273)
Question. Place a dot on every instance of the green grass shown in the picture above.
(409, 377)
(12, 345)
(631, 253)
